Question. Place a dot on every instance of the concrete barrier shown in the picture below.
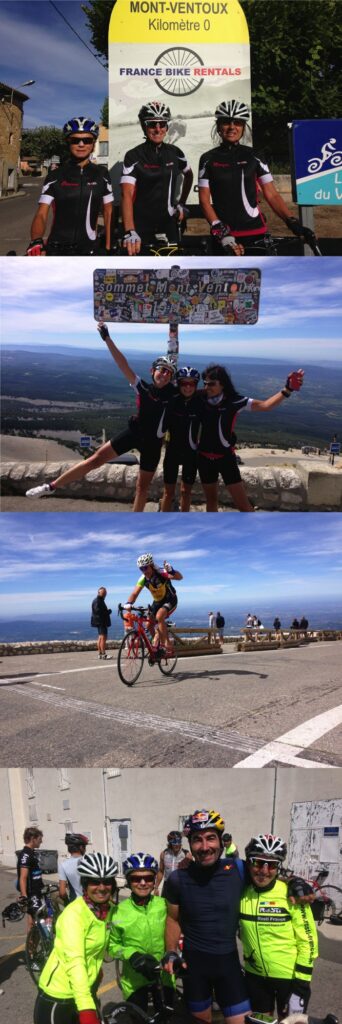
(307, 487)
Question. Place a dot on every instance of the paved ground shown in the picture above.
(18, 992)
(233, 709)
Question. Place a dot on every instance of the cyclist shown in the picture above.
(228, 182)
(68, 874)
(170, 857)
(230, 850)
(145, 430)
(78, 191)
(69, 980)
(29, 873)
(215, 453)
(158, 582)
(182, 421)
(149, 183)
(279, 939)
(137, 932)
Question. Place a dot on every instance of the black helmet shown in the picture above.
(73, 840)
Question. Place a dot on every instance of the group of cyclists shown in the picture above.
(209, 896)
(155, 183)
(196, 423)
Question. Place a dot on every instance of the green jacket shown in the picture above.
(279, 938)
(138, 929)
(76, 959)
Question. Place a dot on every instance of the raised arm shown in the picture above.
(293, 383)
(118, 356)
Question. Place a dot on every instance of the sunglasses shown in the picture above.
(162, 369)
(256, 863)
(142, 878)
(156, 124)
(232, 120)
(187, 383)
(82, 141)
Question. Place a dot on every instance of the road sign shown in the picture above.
(85, 441)
(178, 295)
(335, 448)
(316, 152)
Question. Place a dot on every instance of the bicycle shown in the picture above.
(275, 245)
(137, 645)
(295, 1018)
(324, 904)
(40, 938)
(129, 1013)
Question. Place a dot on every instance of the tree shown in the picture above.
(43, 142)
(104, 113)
(296, 52)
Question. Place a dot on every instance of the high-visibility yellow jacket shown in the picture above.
(279, 938)
(76, 959)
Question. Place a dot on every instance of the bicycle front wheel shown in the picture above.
(131, 658)
(167, 664)
(334, 895)
(127, 1013)
(37, 952)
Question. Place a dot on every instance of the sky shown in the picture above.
(56, 563)
(299, 317)
(37, 44)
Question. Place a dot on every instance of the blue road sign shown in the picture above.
(85, 441)
(316, 150)
(335, 448)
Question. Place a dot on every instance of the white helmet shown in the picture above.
(163, 362)
(232, 109)
(97, 865)
(156, 110)
(145, 560)
(264, 845)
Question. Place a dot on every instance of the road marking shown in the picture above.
(18, 949)
(106, 988)
(47, 686)
(287, 747)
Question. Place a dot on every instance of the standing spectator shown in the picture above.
(220, 622)
(170, 857)
(100, 618)
(295, 624)
(249, 622)
(212, 628)
(303, 624)
(68, 876)
(277, 624)
(230, 849)
(30, 881)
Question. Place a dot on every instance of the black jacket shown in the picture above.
(100, 614)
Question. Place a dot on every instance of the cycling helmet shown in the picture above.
(139, 861)
(163, 361)
(13, 912)
(154, 111)
(97, 865)
(80, 125)
(174, 838)
(201, 820)
(73, 840)
(264, 845)
(187, 373)
(232, 109)
(145, 560)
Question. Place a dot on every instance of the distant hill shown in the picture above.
(84, 391)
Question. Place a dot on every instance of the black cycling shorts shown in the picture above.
(264, 993)
(102, 630)
(48, 1010)
(149, 449)
(211, 468)
(168, 602)
(173, 461)
(219, 976)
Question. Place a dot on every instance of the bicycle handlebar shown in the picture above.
(139, 610)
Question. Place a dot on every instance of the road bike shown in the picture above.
(137, 645)
(162, 1013)
(41, 936)
(327, 905)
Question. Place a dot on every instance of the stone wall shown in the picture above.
(307, 487)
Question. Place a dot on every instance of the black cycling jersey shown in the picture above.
(77, 194)
(155, 172)
(217, 423)
(182, 422)
(27, 858)
(209, 902)
(231, 172)
(152, 405)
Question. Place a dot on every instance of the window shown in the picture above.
(103, 148)
(64, 779)
(30, 783)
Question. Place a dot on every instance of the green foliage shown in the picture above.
(104, 113)
(98, 14)
(43, 142)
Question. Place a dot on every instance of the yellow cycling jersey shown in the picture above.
(158, 585)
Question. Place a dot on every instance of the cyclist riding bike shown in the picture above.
(279, 939)
(29, 873)
(145, 430)
(150, 182)
(137, 932)
(228, 182)
(71, 976)
(182, 422)
(158, 582)
(77, 191)
(216, 454)
(68, 874)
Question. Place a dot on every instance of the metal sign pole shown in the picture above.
(173, 344)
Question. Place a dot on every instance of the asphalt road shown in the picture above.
(252, 709)
(16, 215)
(18, 991)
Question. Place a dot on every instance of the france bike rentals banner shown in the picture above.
(177, 295)
(191, 54)
(316, 150)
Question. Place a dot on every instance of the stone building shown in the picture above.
(11, 121)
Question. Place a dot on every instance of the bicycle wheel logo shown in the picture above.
(177, 66)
